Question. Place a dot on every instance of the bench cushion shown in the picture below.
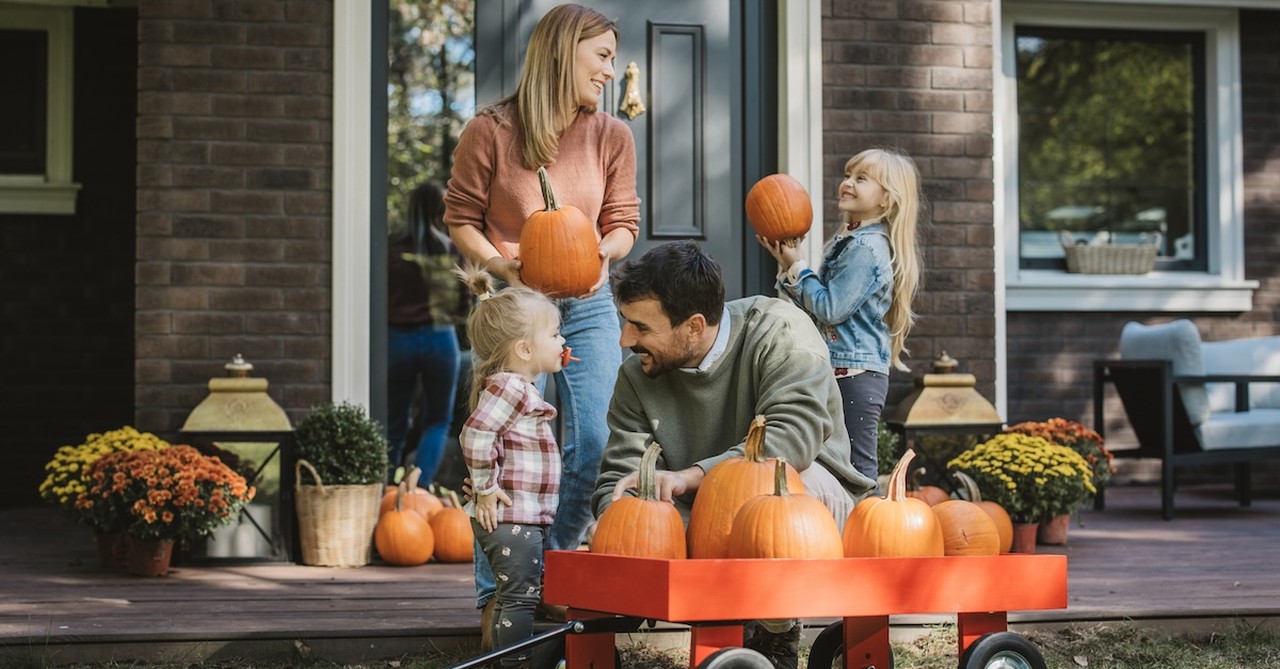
(1258, 355)
(1179, 342)
(1248, 429)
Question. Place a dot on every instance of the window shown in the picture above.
(1121, 123)
(35, 124)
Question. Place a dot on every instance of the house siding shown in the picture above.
(1051, 354)
(233, 206)
(917, 76)
(66, 282)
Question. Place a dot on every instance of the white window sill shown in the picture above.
(41, 198)
(1050, 290)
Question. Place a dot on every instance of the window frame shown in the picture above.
(52, 192)
(1222, 286)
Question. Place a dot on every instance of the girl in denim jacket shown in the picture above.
(861, 295)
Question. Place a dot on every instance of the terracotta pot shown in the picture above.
(149, 557)
(113, 552)
(1053, 531)
(1024, 537)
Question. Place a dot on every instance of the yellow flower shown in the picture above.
(1029, 476)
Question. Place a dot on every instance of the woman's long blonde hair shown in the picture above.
(546, 94)
(498, 321)
(897, 174)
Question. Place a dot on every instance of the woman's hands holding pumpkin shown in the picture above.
(614, 246)
(506, 270)
(668, 485)
(784, 254)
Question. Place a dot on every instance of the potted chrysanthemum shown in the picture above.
(173, 495)
(67, 475)
(1088, 443)
(1032, 478)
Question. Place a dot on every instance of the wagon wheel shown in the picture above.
(1002, 650)
(550, 655)
(735, 658)
(827, 651)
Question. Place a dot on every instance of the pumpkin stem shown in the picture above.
(971, 491)
(548, 195)
(898, 478)
(453, 497)
(753, 450)
(412, 479)
(400, 493)
(780, 478)
(648, 465)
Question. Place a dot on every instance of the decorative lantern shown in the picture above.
(943, 403)
(241, 424)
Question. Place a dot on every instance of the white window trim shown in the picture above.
(1223, 288)
(53, 192)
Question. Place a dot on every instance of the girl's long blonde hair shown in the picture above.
(498, 321)
(546, 94)
(897, 174)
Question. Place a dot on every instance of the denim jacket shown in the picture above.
(848, 297)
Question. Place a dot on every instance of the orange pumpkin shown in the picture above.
(643, 526)
(930, 494)
(1003, 523)
(894, 525)
(779, 208)
(451, 530)
(783, 525)
(403, 537)
(416, 499)
(966, 529)
(559, 250)
(726, 488)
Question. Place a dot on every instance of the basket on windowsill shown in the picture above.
(1107, 258)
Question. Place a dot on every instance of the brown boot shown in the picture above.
(486, 625)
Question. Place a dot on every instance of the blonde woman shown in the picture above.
(861, 295)
(551, 120)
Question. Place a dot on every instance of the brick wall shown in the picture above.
(917, 76)
(1050, 355)
(233, 220)
(66, 282)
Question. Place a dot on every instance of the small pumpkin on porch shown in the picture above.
(643, 526)
(559, 251)
(451, 531)
(782, 525)
(726, 488)
(930, 494)
(403, 537)
(779, 209)
(966, 529)
(416, 499)
(1001, 518)
(894, 525)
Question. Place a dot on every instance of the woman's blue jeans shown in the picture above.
(428, 353)
(583, 390)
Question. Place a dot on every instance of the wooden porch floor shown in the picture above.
(1213, 563)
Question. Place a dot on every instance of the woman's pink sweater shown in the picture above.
(595, 171)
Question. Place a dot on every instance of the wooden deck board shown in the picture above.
(1214, 560)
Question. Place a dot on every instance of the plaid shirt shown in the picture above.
(507, 443)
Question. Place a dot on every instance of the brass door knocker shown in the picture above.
(631, 104)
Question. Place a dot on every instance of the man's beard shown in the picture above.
(659, 365)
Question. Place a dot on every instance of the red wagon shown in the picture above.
(715, 598)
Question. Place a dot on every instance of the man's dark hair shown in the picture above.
(683, 279)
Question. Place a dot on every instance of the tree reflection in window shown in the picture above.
(1110, 140)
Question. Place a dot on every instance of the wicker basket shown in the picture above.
(1109, 258)
(335, 522)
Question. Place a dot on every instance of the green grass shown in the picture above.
(1075, 647)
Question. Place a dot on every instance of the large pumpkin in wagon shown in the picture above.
(559, 252)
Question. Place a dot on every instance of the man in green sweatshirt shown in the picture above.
(701, 371)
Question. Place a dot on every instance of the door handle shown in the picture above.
(631, 104)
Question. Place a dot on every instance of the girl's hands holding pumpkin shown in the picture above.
(784, 254)
(487, 508)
